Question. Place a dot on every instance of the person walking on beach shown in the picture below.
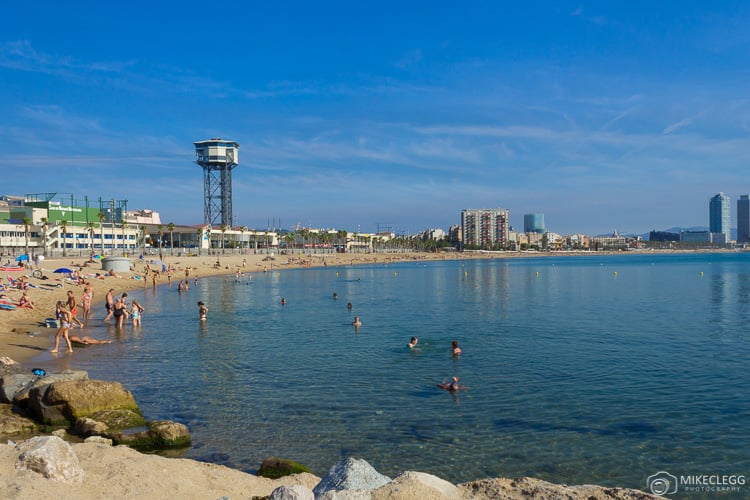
(109, 304)
(202, 311)
(73, 306)
(64, 317)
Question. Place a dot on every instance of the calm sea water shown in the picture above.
(600, 369)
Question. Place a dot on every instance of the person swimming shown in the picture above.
(456, 349)
(349, 305)
(412, 343)
(357, 322)
(453, 386)
(283, 301)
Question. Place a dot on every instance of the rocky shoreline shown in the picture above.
(62, 409)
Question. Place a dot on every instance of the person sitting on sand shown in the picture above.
(25, 302)
(412, 343)
(357, 322)
(456, 349)
(86, 340)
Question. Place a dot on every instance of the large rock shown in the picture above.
(351, 474)
(274, 468)
(525, 487)
(16, 387)
(11, 423)
(417, 485)
(345, 495)
(51, 457)
(293, 492)
(62, 403)
(159, 435)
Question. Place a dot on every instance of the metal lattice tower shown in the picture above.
(217, 157)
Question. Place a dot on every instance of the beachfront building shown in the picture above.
(485, 228)
(534, 223)
(720, 218)
(46, 224)
(743, 219)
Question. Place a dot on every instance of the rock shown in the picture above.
(11, 423)
(418, 485)
(159, 435)
(59, 433)
(118, 419)
(351, 474)
(526, 487)
(22, 386)
(294, 492)
(64, 402)
(345, 495)
(50, 456)
(273, 468)
(98, 439)
(85, 427)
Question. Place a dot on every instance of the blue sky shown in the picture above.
(601, 115)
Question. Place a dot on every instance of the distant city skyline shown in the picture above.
(601, 116)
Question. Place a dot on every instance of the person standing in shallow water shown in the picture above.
(456, 349)
(202, 311)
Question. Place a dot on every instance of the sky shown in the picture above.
(603, 116)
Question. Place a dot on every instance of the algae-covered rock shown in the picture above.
(62, 403)
(161, 434)
(11, 423)
(274, 468)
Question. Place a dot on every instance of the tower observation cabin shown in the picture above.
(217, 157)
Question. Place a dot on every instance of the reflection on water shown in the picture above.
(579, 370)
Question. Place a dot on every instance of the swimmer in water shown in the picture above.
(357, 322)
(335, 295)
(452, 386)
(202, 311)
(456, 349)
(349, 305)
(283, 301)
(412, 343)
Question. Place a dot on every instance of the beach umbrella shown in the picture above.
(63, 270)
(97, 256)
(21, 258)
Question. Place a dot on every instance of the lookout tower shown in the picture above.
(217, 157)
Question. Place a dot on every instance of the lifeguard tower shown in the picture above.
(217, 157)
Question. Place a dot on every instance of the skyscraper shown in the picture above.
(533, 223)
(485, 227)
(743, 219)
(720, 217)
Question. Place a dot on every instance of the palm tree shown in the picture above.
(143, 239)
(90, 229)
(170, 228)
(289, 238)
(199, 235)
(160, 228)
(64, 226)
(44, 233)
(124, 226)
(26, 230)
(101, 216)
(242, 235)
(223, 228)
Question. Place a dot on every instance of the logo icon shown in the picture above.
(662, 483)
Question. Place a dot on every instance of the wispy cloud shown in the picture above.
(682, 123)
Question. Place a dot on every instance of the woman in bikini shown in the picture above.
(65, 318)
(73, 309)
(88, 295)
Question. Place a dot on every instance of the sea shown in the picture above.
(601, 369)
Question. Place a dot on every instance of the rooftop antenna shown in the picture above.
(217, 157)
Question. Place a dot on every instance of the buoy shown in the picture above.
(466, 273)
(701, 273)
(614, 273)
(337, 273)
(537, 274)
(395, 273)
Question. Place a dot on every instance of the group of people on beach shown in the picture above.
(66, 313)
